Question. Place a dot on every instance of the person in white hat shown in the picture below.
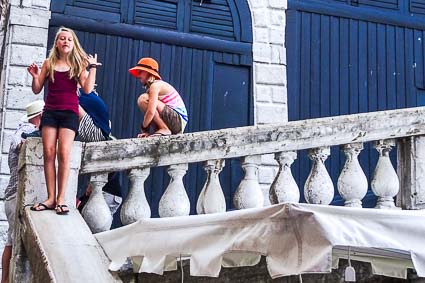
(29, 123)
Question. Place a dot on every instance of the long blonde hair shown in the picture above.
(76, 58)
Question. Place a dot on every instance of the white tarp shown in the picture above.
(295, 238)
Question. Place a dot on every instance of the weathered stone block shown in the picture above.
(2, 212)
(262, 52)
(261, 35)
(4, 181)
(279, 94)
(277, 35)
(270, 74)
(19, 97)
(44, 4)
(24, 55)
(261, 17)
(4, 166)
(7, 137)
(254, 4)
(19, 76)
(278, 4)
(278, 18)
(263, 93)
(13, 118)
(32, 17)
(31, 161)
(278, 54)
(270, 113)
(30, 35)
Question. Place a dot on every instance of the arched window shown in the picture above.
(224, 19)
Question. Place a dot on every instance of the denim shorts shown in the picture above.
(60, 119)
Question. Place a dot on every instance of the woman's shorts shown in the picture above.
(60, 119)
(88, 131)
(172, 119)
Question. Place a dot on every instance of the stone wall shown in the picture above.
(24, 25)
(270, 92)
(259, 274)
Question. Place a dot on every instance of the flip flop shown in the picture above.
(44, 207)
(61, 209)
(159, 135)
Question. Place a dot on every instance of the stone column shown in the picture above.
(284, 188)
(352, 182)
(318, 188)
(385, 183)
(249, 194)
(411, 172)
(23, 39)
(32, 189)
(269, 75)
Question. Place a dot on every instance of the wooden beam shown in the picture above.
(252, 140)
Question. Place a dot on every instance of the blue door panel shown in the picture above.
(210, 82)
(341, 63)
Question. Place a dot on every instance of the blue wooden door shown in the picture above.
(352, 56)
(203, 51)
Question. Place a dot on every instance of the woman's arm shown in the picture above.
(38, 77)
(152, 105)
(88, 79)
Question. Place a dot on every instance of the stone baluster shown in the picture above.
(249, 194)
(318, 188)
(174, 201)
(352, 183)
(135, 206)
(284, 188)
(385, 183)
(96, 211)
(211, 199)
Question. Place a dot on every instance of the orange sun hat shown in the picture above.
(146, 64)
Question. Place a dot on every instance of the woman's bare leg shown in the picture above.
(49, 137)
(65, 141)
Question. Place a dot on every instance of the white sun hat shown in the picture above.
(33, 110)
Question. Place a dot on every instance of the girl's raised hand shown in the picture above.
(34, 70)
(93, 60)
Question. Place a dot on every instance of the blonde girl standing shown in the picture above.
(65, 67)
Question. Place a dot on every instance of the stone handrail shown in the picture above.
(385, 129)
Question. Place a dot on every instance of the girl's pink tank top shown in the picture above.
(62, 94)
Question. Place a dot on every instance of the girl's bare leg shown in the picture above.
(49, 137)
(65, 141)
(81, 113)
(158, 123)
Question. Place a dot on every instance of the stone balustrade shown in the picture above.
(385, 130)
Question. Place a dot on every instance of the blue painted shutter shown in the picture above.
(156, 13)
(111, 6)
(382, 4)
(212, 18)
(102, 10)
(417, 6)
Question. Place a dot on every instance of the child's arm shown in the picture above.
(88, 79)
(38, 77)
(152, 105)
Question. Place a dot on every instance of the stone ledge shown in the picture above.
(62, 248)
(252, 140)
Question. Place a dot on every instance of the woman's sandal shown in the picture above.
(160, 135)
(60, 209)
(43, 207)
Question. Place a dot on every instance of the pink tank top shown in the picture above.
(62, 94)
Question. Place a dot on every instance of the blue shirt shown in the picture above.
(96, 108)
